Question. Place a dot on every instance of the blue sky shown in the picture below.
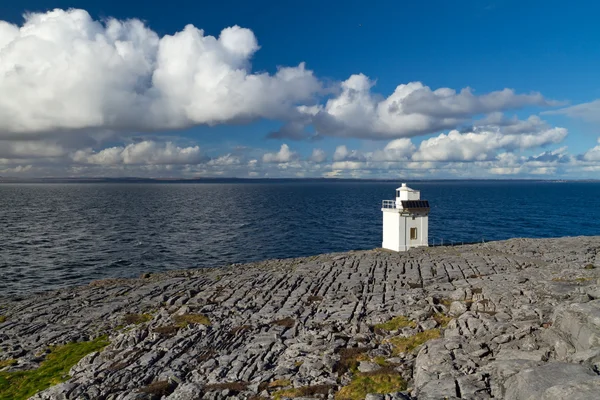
(547, 48)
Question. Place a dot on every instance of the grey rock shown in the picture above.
(531, 384)
(519, 305)
(367, 366)
(457, 308)
(580, 323)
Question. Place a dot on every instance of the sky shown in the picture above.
(349, 89)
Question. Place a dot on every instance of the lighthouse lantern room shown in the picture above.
(405, 220)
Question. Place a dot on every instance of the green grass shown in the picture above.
(279, 383)
(20, 385)
(397, 323)
(186, 319)
(304, 391)
(442, 319)
(2, 318)
(136, 319)
(409, 344)
(363, 384)
(7, 363)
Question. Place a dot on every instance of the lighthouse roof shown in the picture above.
(415, 204)
(406, 188)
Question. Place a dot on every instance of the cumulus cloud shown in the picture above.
(587, 111)
(593, 154)
(558, 155)
(413, 109)
(225, 160)
(498, 121)
(318, 156)
(284, 155)
(64, 71)
(396, 150)
(342, 153)
(146, 152)
(456, 146)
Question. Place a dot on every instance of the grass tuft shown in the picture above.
(279, 383)
(409, 344)
(234, 387)
(304, 391)
(349, 359)
(442, 319)
(168, 330)
(397, 323)
(184, 320)
(285, 322)
(2, 318)
(20, 385)
(136, 319)
(381, 383)
(159, 388)
(7, 363)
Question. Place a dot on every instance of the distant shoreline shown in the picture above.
(267, 180)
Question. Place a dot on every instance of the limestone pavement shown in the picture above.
(516, 319)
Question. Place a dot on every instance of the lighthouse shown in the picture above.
(405, 220)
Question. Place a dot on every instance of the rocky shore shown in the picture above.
(517, 319)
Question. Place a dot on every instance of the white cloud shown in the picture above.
(413, 109)
(587, 111)
(342, 153)
(30, 149)
(318, 156)
(396, 150)
(456, 146)
(347, 165)
(225, 160)
(284, 155)
(146, 152)
(593, 154)
(497, 121)
(19, 169)
(61, 70)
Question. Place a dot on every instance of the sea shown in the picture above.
(62, 234)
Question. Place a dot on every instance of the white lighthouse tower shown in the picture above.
(405, 220)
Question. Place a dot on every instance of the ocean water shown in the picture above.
(54, 235)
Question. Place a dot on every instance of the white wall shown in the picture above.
(396, 230)
(391, 229)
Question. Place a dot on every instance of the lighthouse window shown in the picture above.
(413, 233)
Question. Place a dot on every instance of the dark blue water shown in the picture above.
(54, 235)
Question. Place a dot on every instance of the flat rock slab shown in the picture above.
(510, 315)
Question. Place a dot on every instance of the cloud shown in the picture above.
(558, 155)
(30, 149)
(586, 111)
(318, 156)
(285, 155)
(294, 130)
(225, 160)
(498, 121)
(146, 152)
(456, 146)
(396, 150)
(64, 71)
(413, 109)
(343, 154)
(593, 154)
